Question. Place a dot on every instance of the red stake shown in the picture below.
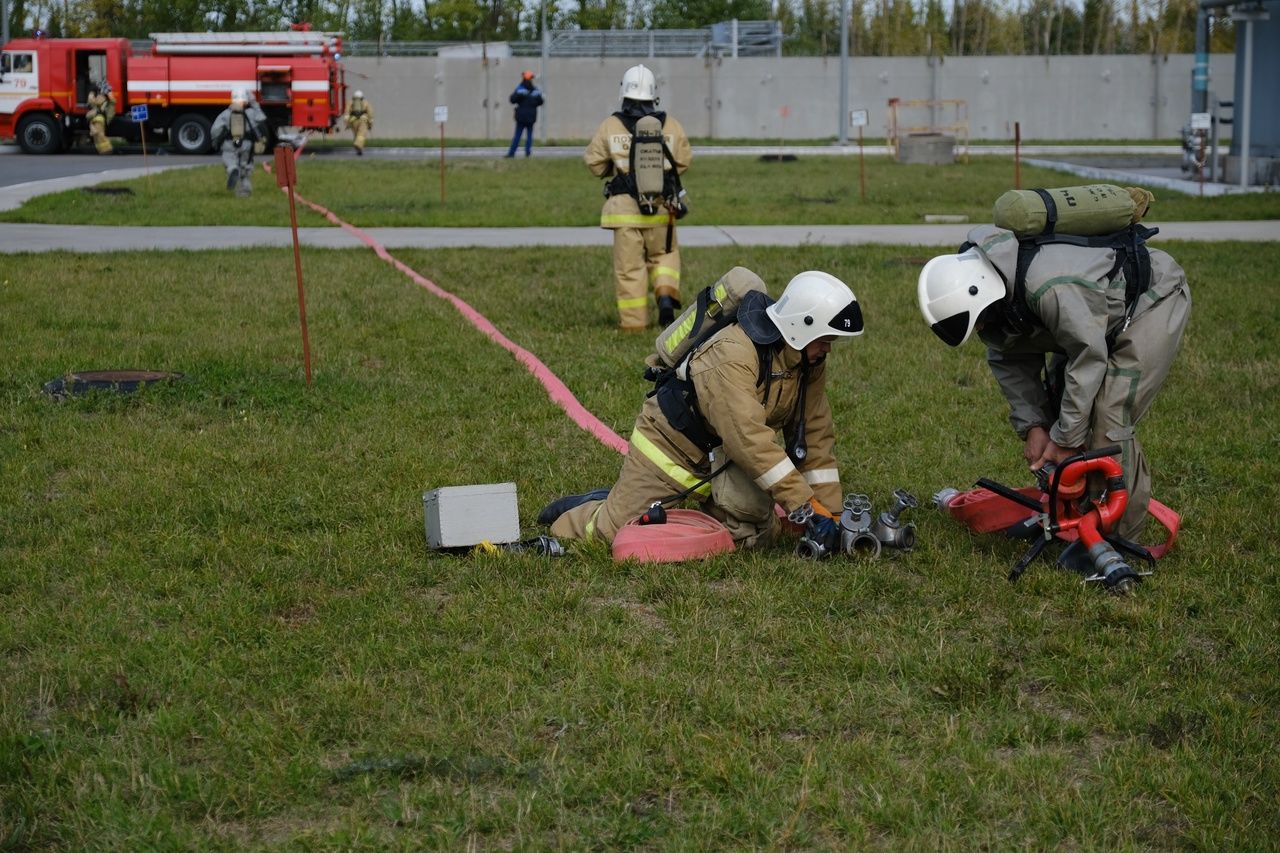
(287, 177)
(1017, 155)
(862, 168)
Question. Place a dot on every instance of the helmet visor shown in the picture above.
(953, 330)
(849, 320)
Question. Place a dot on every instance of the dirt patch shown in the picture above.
(642, 613)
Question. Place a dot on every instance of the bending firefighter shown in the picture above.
(359, 119)
(235, 131)
(1109, 318)
(709, 429)
(642, 153)
(102, 109)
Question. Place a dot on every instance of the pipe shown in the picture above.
(843, 124)
(240, 49)
(1200, 71)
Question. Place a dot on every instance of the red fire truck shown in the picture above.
(184, 79)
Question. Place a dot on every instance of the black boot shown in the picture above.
(667, 306)
(560, 506)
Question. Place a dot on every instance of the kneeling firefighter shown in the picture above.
(641, 153)
(708, 430)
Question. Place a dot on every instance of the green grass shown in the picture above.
(222, 628)
(560, 192)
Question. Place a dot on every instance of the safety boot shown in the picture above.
(667, 306)
(560, 506)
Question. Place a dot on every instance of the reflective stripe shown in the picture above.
(822, 475)
(636, 219)
(590, 529)
(686, 326)
(640, 302)
(659, 272)
(686, 478)
(769, 478)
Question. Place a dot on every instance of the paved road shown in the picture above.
(77, 170)
(18, 237)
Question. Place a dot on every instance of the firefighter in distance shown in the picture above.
(359, 120)
(641, 153)
(102, 109)
(236, 131)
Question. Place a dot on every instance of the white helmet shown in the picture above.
(358, 94)
(239, 95)
(953, 290)
(638, 84)
(814, 305)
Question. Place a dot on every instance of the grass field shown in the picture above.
(548, 192)
(222, 627)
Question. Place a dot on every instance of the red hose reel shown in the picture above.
(1057, 509)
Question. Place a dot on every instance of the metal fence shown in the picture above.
(728, 38)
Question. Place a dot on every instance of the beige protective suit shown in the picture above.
(640, 256)
(102, 109)
(747, 416)
(1109, 385)
(359, 120)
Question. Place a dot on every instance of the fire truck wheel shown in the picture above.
(190, 134)
(39, 134)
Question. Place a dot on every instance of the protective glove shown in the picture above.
(825, 531)
(682, 205)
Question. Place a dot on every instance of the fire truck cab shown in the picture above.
(183, 79)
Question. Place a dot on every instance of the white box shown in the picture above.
(462, 516)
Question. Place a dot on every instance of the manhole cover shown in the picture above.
(119, 381)
(109, 190)
(777, 158)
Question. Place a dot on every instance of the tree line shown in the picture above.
(810, 27)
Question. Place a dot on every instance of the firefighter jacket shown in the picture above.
(609, 154)
(1082, 313)
(251, 124)
(527, 97)
(358, 108)
(747, 415)
(101, 105)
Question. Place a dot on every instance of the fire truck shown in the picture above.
(184, 79)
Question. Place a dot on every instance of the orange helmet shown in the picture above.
(528, 75)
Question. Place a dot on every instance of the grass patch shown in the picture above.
(222, 628)
(560, 192)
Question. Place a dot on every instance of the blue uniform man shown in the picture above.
(527, 97)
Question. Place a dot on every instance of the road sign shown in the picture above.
(1200, 121)
(442, 115)
(138, 112)
(858, 118)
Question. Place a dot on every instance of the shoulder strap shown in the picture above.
(1132, 256)
(1050, 211)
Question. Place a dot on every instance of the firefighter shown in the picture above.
(527, 97)
(359, 119)
(1110, 355)
(762, 374)
(102, 109)
(236, 131)
(645, 250)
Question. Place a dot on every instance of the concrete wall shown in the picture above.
(1061, 97)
